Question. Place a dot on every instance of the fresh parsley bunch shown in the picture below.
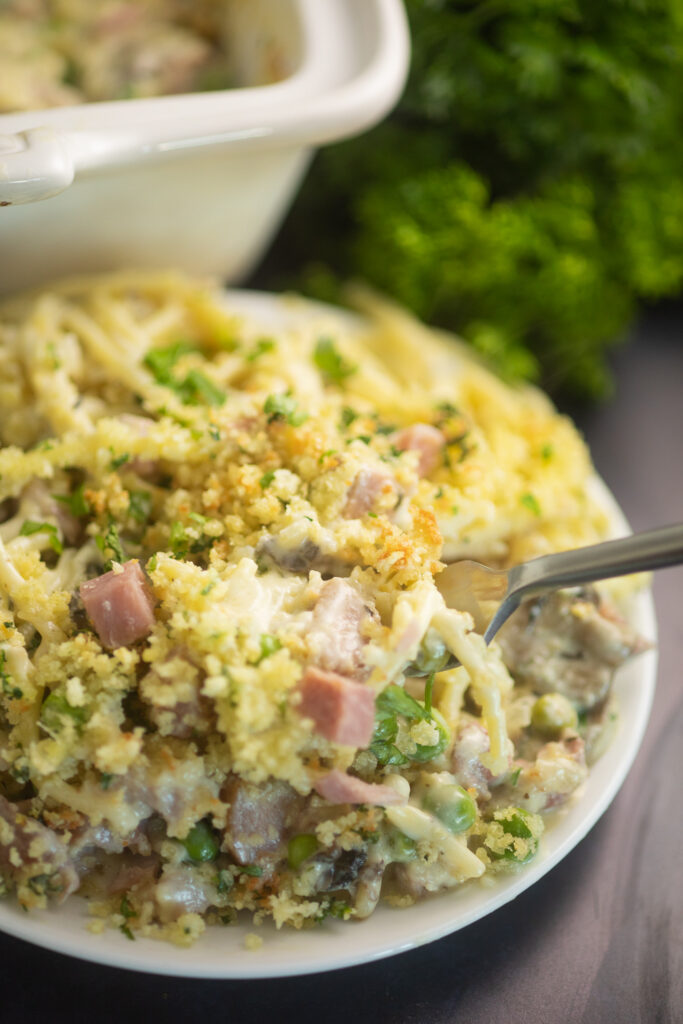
(527, 191)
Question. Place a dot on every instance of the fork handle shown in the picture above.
(654, 549)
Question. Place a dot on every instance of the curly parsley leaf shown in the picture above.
(334, 368)
(284, 407)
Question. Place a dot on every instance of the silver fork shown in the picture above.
(464, 585)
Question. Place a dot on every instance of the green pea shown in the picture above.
(432, 656)
(452, 805)
(401, 847)
(552, 713)
(201, 843)
(300, 848)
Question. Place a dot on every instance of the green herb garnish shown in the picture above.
(76, 502)
(253, 870)
(178, 540)
(269, 644)
(196, 388)
(262, 346)
(119, 460)
(160, 361)
(110, 541)
(330, 362)
(348, 415)
(531, 502)
(56, 710)
(8, 687)
(139, 505)
(29, 527)
(284, 407)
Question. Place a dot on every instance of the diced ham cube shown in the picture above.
(424, 439)
(133, 872)
(342, 711)
(340, 788)
(334, 640)
(120, 605)
(32, 854)
(259, 817)
(368, 485)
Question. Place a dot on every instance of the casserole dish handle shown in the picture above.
(34, 164)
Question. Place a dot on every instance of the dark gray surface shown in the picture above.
(597, 941)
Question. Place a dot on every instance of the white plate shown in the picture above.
(221, 952)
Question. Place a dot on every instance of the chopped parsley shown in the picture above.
(178, 540)
(110, 541)
(284, 407)
(391, 703)
(262, 346)
(348, 415)
(335, 908)
(531, 502)
(160, 361)
(330, 362)
(56, 710)
(547, 452)
(269, 644)
(267, 479)
(125, 908)
(139, 505)
(76, 503)
(253, 870)
(195, 387)
(224, 881)
(30, 526)
(119, 460)
(429, 686)
(8, 687)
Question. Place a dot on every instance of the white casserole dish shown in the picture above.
(198, 180)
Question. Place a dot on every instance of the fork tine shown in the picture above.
(463, 585)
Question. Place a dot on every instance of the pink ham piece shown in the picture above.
(342, 711)
(334, 639)
(339, 788)
(367, 486)
(120, 605)
(424, 439)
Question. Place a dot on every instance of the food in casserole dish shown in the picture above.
(223, 654)
(55, 53)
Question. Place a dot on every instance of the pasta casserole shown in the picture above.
(229, 679)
